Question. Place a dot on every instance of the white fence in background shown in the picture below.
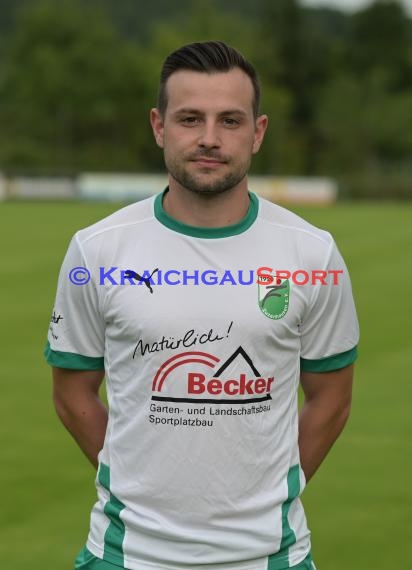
(3, 193)
(295, 190)
(134, 187)
(41, 189)
(119, 187)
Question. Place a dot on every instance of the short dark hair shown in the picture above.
(206, 57)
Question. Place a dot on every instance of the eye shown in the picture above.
(230, 122)
(190, 121)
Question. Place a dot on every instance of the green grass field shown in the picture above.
(359, 504)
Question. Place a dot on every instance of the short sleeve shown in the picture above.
(330, 330)
(76, 331)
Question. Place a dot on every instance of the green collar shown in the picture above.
(207, 233)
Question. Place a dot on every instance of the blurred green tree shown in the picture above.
(71, 92)
(364, 124)
(296, 57)
(78, 77)
(381, 39)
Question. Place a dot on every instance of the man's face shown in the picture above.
(208, 132)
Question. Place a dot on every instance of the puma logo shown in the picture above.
(130, 274)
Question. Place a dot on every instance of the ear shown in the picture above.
(260, 129)
(156, 120)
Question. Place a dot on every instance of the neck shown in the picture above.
(207, 210)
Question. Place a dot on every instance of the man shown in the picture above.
(193, 314)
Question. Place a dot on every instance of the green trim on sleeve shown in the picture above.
(72, 360)
(330, 363)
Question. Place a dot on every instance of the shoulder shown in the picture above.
(127, 219)
(306, 244)
(285, 221)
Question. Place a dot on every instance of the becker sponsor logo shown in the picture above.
(201, 377)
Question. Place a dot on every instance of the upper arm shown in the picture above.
(71, 387)
(329, 328)
(76, 335)
(329, 337)
(332, 389)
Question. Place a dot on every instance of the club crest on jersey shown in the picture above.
(273, 296)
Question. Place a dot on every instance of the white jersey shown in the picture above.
(202, 342)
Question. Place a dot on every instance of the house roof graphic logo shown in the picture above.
(196, 377)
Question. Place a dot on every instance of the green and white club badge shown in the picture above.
(274, 294)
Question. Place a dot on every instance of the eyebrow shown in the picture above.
(192, 111)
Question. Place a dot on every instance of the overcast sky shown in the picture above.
(350, 4)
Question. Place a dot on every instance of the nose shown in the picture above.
(209, 135)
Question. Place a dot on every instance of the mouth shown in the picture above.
(208, 162)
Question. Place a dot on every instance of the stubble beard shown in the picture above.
(199, 184)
